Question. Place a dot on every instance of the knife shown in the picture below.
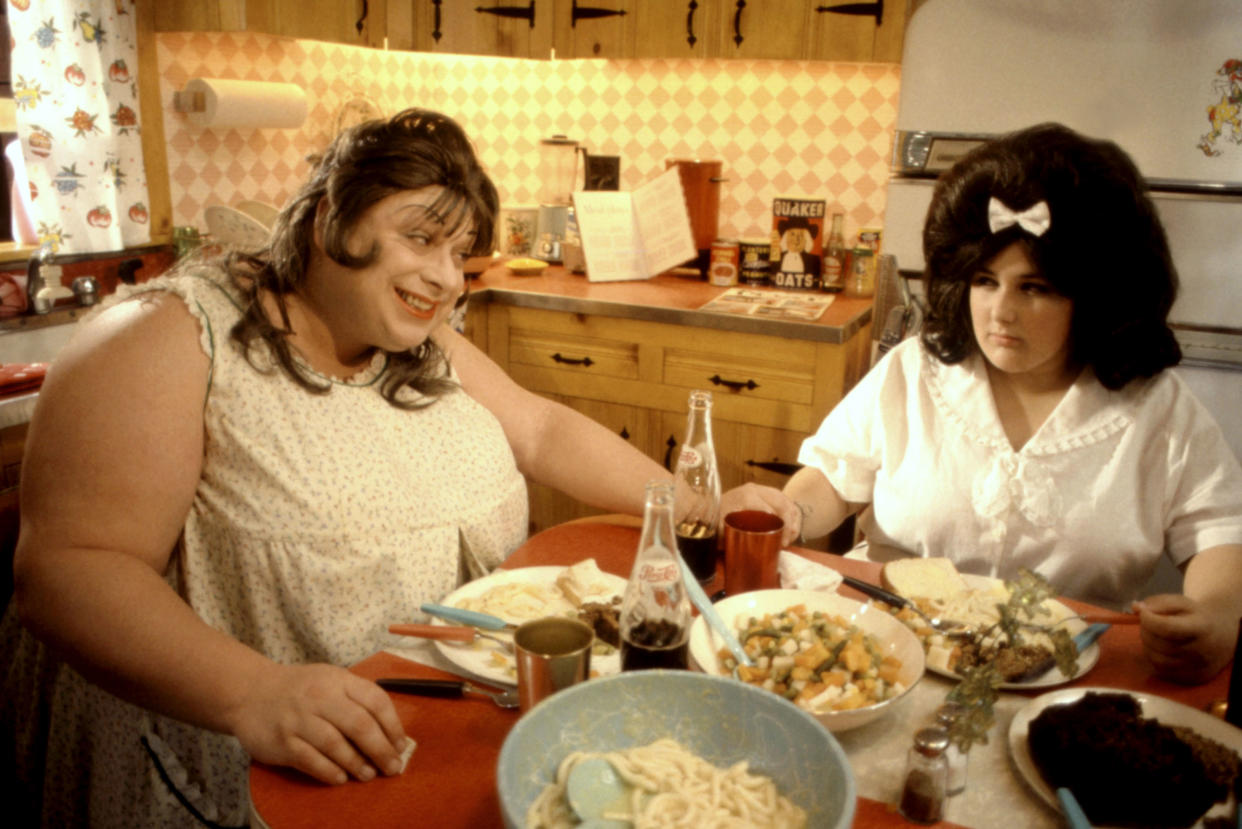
(473, 618)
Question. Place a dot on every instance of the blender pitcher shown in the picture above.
(558, 170)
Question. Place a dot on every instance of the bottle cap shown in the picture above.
(949, 713)
(931, 742)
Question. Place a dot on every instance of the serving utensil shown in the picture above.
(593, 790)
(946, 626)
(700, 600)
(472, 618)
(448, 633)
(447, 688)
(1074, 815)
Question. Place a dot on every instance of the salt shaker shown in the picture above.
(927, 774)
(946, 715)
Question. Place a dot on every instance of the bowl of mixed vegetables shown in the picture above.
(843, 661)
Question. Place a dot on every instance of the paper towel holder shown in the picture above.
(205, 102)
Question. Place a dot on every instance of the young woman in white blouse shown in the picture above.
(1033, 423)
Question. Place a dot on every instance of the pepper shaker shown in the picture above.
(927, 774)
(946, 715)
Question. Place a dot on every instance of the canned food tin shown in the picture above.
(723, 268)
(755, 263)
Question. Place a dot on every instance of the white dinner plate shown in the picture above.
(1166, 711)
(488, 660)
(1053, 677)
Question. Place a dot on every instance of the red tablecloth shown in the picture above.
(451, 779)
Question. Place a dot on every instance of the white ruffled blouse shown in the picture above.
(1108, 483)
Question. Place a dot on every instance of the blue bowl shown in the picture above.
(718, 718)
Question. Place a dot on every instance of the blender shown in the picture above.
(558, 171)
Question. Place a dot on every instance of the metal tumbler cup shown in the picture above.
(752, 541)
(552, 654)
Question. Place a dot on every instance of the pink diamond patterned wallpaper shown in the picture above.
(813, 129)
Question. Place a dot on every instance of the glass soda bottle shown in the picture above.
(835, 256)
(655, 613)
(697, 490)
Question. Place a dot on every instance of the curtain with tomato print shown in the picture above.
(75, 83)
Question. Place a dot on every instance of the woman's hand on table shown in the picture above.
(1182, 639)
(322, 720)
(751, 496)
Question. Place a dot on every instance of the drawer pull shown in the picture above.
(779, 467)
(733, 385)
(585, 361)
(670, 445)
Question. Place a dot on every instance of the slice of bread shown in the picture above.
(926, 578)
(584, 582)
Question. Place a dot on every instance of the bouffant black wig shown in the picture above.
(1104, 248)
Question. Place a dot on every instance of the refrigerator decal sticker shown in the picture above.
(1226, 109)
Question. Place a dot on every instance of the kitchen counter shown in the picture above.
(665, 298)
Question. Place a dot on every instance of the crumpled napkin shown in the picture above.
(798, 573)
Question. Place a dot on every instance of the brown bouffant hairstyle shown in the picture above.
(366, 163)
(1105, 248)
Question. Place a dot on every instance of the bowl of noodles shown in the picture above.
(846, 663)
(687, 744)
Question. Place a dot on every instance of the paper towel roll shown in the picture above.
(232, 103)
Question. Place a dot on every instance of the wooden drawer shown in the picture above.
(762, 380)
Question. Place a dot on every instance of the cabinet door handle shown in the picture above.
(691, 8)
(669, 445)
(779, 467)
(876, 8)
(733, 385)
(515, 12)
(588, 12)
(737, 23)
(624, 433)
(572, 361)
(362, 20)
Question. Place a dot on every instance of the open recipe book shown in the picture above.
(634, 235)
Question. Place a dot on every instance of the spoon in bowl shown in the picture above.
(594, 789)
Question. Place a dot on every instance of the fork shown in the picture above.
(946, 626)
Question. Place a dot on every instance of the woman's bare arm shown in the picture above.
(113, 458)
(554, 444)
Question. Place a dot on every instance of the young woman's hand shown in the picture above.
(322, 720)
(1184, 641)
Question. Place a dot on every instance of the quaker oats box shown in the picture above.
(797, 243)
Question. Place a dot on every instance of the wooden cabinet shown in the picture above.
(793, 29)
(634, 376)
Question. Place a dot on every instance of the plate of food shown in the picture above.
(844, 662)
(1129, 758)
(582, 591)
(936, 587)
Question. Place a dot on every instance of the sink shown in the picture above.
(34, 345)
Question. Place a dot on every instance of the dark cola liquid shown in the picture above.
(659, 644)
(697, 545)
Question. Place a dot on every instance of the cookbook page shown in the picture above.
(611, 244)
(664, 222)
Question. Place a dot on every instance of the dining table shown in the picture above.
(450, 780)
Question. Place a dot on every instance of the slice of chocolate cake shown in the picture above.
(1124, 769)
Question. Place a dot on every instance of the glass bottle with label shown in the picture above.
(697, 494)
(835, 255)
(655, 613)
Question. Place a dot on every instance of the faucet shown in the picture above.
(43, 286)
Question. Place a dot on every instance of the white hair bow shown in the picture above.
(1035, 220)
